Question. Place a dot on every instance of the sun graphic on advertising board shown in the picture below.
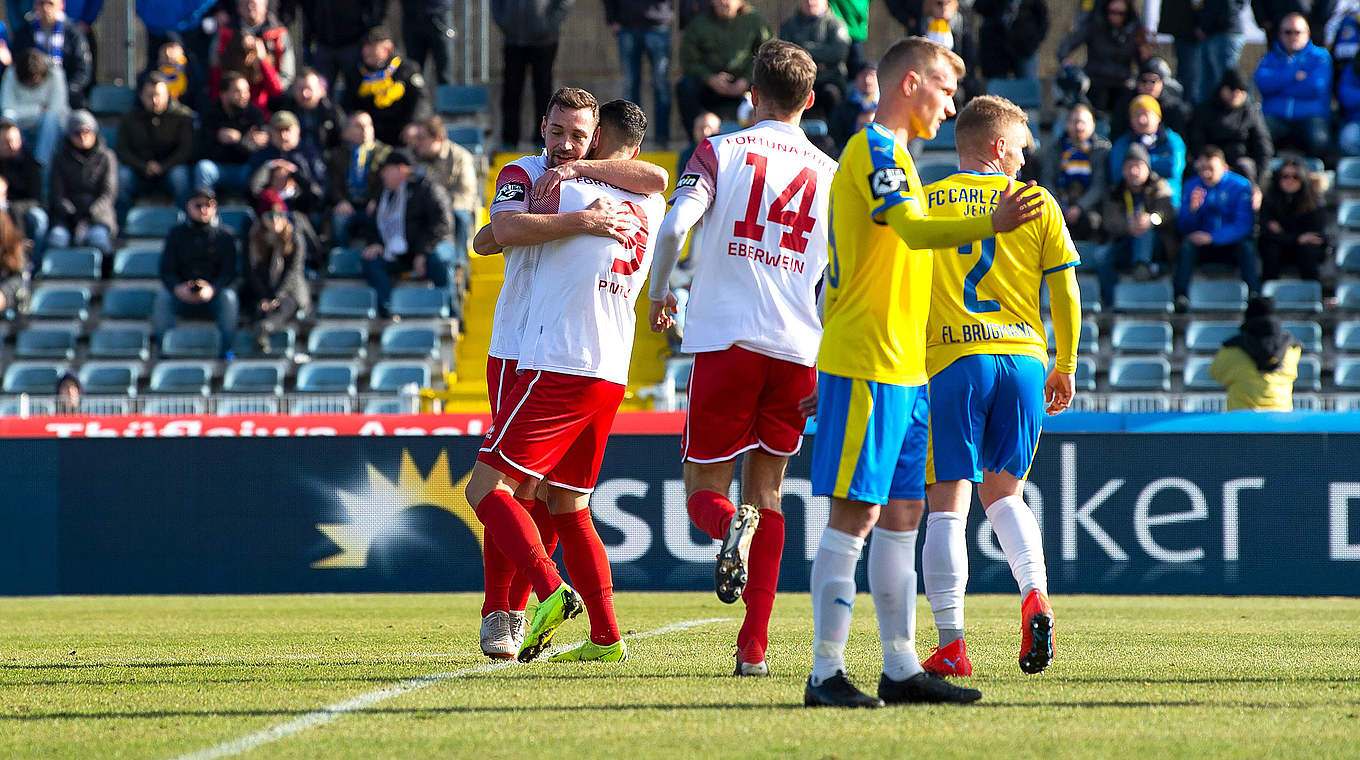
(374, 510)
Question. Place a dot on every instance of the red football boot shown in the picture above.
(949, 660)
(1036, 633)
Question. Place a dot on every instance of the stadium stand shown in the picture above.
(72, 264)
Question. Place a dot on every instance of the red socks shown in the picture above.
(518, 593)
(588, 566)
(711, 512)
(767, 548)
(497, 573)
(509, 525)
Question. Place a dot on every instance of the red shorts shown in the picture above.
(553, 427)
(739, 399)
(500, 380)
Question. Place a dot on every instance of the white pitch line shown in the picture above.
(364, 701)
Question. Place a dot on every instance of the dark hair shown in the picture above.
(377, 34)
(228, 79)
(625, 120)
(1278, 203)
(1211, 151)
(432, 126)
(32, 67)
(784, 73)
(573, 99)
(240, 56)
(7, 124)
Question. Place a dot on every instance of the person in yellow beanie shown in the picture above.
(1166, 149)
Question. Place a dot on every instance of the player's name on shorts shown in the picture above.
(780, 146)
(615, 288)
(980, 331)
(981, 201)
(759, 255)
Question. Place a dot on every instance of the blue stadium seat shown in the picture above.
(1026, 93)
(1089, 340)
(1348, 173)
(470, 136)
(47, 342)
(138, 262)
(462, 99)
(110, 378)
(281, 344)
(1348, 337)
(1089, 285)
(1348, 214)
(338, 341)
(411, 340)
(1085, 378)
(1218, 295)
(327, 377)
(344, 263)
(934, 170)
(1308, 333)
(386, 406)
(1347, 375)
(38, 378)
(60, 302)
(944, 139)
(728, 126)
(1295, 295)
(191, 342)
(418, 301)
(1348, 296)
(1348, 253)
(238, 218)
(110, 134)
(111, 100)
(1208, 337)
(260, 377)
(1140, 373)
(150, 222)
(182, 376)
(121, 341)
(1310, 374)
(72, 264)
(175, 406)
(347, 301)
(814, 127)
(392, 375)
(1142, 337)
(322, 405)
(128, 302)
(1088, 253)
(1143, 297)
(227, 407)
(1197, 374)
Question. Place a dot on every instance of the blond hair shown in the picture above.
(916, 54)
(982, 121)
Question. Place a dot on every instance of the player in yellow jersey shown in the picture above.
(869, 452)
(986, 355)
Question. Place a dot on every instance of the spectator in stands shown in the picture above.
(275, 283)
(1180, 21)
(1230, 120)
(23, 177)
(65, 45)
(69, 393)
(198, 267)
(386, 87)
(453, 168)
(285, 165)
(1219, 26)
(172, 64)
(942, 22)
(1342, 33)
(1076, 170)
(1270, 14)
(705, 126)
(33, 95)
(13, 266)
(1165, 148)
(824, 36)
(862, 98)
(1113, 39)
(1293, 224)
(644, 26)
(318, 117)
(84, 188)
(1216, 221)
(855, 14)
(6, 55)
(1295, 82)
(1348, 97)
(1009, 37)
(412, 219)
(246, 54)
(155, 146)
(352, 169)
(275, 48)
(1137, 219)
(531, 29)
(335, 34)
(427, 32)
(1259, 365)
(1154, 80)
(717, 53)
(233, 129)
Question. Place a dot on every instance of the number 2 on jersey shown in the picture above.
(987, 246)
(799, 223)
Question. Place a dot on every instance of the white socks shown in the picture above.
(892, 582)
(833, 600)
(944, 567)
(1018, 533)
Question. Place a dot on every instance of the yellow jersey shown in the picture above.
(985, 295)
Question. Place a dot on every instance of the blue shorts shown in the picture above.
(871, 440)
(986, 412)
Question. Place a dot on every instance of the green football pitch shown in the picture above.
(401, 676)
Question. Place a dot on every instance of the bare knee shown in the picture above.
(763, 479)
(999, 485)
(902, 514)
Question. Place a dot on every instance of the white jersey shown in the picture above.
(584, 290)
(760, 249)
(512, 305)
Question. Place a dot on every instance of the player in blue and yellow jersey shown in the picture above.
(986, 355)
(869, 452)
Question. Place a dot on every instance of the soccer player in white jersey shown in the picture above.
(569, 129)
(573, 369)
(759, 197)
